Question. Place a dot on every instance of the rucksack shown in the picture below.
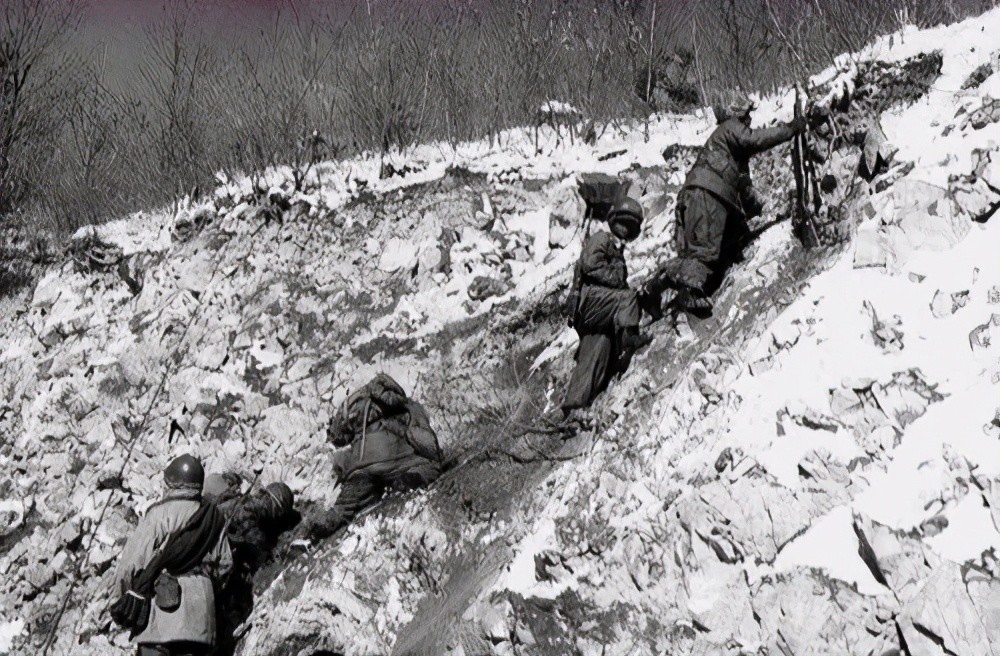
(383, 399)
(599, 192)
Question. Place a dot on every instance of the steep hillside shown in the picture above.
(814, 470)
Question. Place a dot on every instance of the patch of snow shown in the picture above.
(831, 545)
(9, 629)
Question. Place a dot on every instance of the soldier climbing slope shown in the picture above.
(170, 566)
(392, 447)
(256, 520)
(607, 311)
(715, 203)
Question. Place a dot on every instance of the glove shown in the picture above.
(798, 124)
(817, 116)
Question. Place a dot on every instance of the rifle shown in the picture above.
(807, 199)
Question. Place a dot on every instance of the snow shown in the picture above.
(557, 107)
(899, 476)
(9, 629)
(969, 533)
(830, 544)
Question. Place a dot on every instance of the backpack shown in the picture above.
(384, 399)
(599, 192)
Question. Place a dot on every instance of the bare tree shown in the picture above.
(30, 66)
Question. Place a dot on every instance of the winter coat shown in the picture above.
(602, 262)
(194, 620)
(396, 438)
(723, 165)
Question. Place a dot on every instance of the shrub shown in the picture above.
(87, 137)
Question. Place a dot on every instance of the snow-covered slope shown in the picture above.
(816, 470)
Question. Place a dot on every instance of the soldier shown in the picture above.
(392, 448)
(170, 566)
(255, 522)
(715, 203)
(607, 311)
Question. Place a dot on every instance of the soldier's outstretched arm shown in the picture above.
(757, 141)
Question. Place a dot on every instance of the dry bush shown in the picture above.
(191, 98)
(31, 96)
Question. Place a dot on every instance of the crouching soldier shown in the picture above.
(256, 521)
(607, 311)
(715, 203)
(169, 568)
(392, 448)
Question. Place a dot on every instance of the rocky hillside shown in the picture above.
(814, 470)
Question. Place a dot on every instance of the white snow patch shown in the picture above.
(830, 544)
(969, 533)
(8, 631)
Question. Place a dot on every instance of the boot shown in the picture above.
(631, 340)
(694, 301)
(651, 293)
(651, 302)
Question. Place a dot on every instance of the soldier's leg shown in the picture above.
(704, 226)
(604, 310)
(590, 375)
(152, 650)
(357, 492)
(734, 238)
(414, 473)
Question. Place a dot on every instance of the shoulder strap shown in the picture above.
(185, 548)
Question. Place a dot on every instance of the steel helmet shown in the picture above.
(184, 472)
(735, 104)
(629, 212)
(283, 497)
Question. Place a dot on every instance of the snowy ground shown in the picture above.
(818, 472)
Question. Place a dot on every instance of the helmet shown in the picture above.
(629, 212)
(184, 472)
(283, 497)
(735, 105)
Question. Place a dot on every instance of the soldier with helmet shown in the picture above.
(715, 203)
(607, 312)
(170, 566)
(257, 520)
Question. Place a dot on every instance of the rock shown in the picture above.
(886, 334)
(983, 336)
(761, 366)
(91, 252)
(985, 115)
(549, 566)
(785, 336)
(566, 217)
(943, 305)
(189, 223)
(957, 608)
(866, 405)
(398, 254)
(494, 622)
(484, 212)
(877, 152)
(920, 217)
(524, 636)
(483, 288)
(933, 525)
(654, 204)
(11, 515)
(797, 618)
